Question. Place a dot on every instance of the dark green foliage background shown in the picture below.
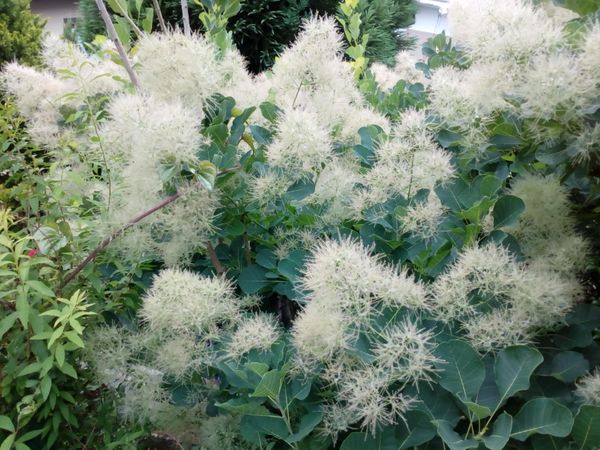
(263, 28)
(20, 32)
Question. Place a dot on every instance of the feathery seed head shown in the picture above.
(258, 332)
(183, 302)
(588, 388)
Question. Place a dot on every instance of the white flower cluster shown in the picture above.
(521, 61)
(404, 69)
(499, 301)
(348, 289)
(406, 163)
(184, 316)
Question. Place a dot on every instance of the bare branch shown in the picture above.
(186, 18)
(161, 19)
(112, 33)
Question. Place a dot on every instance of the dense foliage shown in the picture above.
(20, 32)
(317, 257)
(263, 28)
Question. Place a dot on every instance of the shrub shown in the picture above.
(20, 32)
(333, 270)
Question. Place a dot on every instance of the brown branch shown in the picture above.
(186, 18)
(117, 233)
(112, 33)
(161, 19)
(214, 259)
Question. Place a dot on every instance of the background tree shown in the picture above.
(20, 32)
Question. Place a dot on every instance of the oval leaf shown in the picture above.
(542, 416)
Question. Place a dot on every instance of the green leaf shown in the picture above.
(462, 370)
(506, 210)
(273, 426)
(8, 442)
(500, 434)
(7, 323)
(22, 307)
(415, 430)
(243, 407)
(68, 369)
(383, 440)
(265, 258)
(6, 424)
(451, 438)
(513, 368)
(308, 422)
(567, 366)
(542, 416)
(582, 7)
(147, 21)
(74, 338)
(586, 428)
(479, 411)
(45, 386)
(252, 279)
(29, 369)
(299, 190)
(269, 386)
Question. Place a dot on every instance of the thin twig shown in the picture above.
(186, 18)
(161, 19)
(117, 233)
(214, 259)
(112, 33)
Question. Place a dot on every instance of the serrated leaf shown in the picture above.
(542, 416)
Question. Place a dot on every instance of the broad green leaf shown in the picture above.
(266, 259)
(479, 411)
(513, 368)
(6, 424)
(435, 401)
(68, 369)
(272, 426)
(383, 440)
(586, 428)
(258, 368)
(307, 423)
(506, 210)
(567, 366)
(245, 408)
(452, 439)
(415, 430)
(500, 434)
(252, 279)
(269, 386)
(586, 315)
(582, 7)
(461, 371)
(29, 369)
(542, 416)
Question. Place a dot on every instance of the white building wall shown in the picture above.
(431, 19)
(55, 11)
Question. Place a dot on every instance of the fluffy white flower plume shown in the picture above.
(335, 191)
(181, 301)
(404, 69)
(423, 219)
(189, 63)
(588, 388)
(319, 334)
(39, 96)
(405, 353)
(89, 74)
(546, 229)
(258, 332)
(511, 29)
(302, 146)
(330, 277)
(144, 127)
